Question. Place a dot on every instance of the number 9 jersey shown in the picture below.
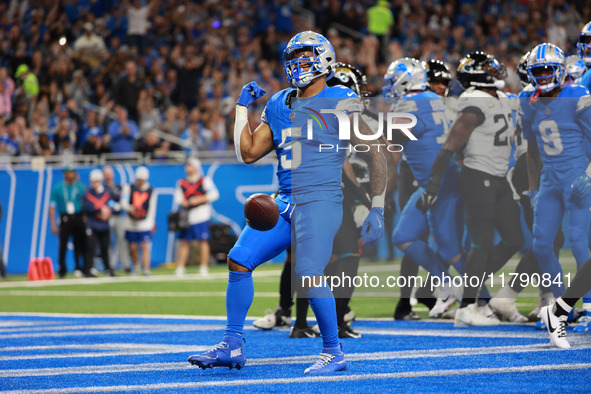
(489, 147)
(559, 126)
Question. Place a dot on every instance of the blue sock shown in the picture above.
(323, 304)
(239, 295)
(424, 256)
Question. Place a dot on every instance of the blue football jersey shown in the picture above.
(559, 126)
(430, 130)
(309, 169)
(585, 79)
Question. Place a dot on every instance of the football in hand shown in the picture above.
(261, 212)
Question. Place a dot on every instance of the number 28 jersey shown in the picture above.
(559, 126)
(307, 143)
(489, 147)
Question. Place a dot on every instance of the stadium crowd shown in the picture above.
(87, 76)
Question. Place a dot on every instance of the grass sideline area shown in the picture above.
(165, 294)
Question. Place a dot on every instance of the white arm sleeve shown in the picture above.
(241, 119)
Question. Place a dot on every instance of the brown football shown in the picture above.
(261, 212)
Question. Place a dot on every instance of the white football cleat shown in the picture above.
(472, 316)
(545, 300)
(447, 297)
(272, 319)
(506, 308)
(555, 326)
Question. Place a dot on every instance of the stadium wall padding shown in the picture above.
(25, 230)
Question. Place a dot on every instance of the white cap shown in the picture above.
(142, 173)
(96, 175)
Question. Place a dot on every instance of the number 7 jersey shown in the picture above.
(489, 147)
(559, 126)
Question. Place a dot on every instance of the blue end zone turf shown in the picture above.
(71, 353)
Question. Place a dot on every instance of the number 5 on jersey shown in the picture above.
(295, 147)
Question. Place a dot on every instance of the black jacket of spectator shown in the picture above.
(127, 94)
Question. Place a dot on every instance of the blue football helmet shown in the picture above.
(542, 58)
(322, 61)
(575, 67)
(584, 44)
(404, 75)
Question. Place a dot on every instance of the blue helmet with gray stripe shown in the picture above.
(546, 67)
(584, 44)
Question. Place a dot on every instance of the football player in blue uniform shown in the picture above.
(503, 302)
(408, 80)
(584, 52)
(440, 79)
(556, 119)
(309, 198)
(575, 67)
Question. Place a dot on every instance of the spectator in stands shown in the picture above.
(45, 146)
(119, 248)
(90, 47)
(195, 192)
(10, 140)
(127, 90)
(139, 203)
(66, 198)
(30, 84)
(137, 22)
(6, 91)
(380, 21)
(196, 137)
(96, 143)
(149, 115)
(151, 146)
(78, 89)
(28, 143)
(123, 131)
(96, 206)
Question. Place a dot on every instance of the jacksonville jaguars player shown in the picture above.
(408, 80)
(556, 120)
(311, 205)
(482, 132)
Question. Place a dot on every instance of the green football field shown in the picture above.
(164, 293)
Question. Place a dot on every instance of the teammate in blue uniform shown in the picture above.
(584, 52)
(309, 198)
(408, 79)
(556, 119)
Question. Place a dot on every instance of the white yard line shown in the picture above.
(127, 279)
(320, 379)
(165, 366)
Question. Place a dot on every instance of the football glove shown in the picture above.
(426, 202)
(373, 227)
(251, 92)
